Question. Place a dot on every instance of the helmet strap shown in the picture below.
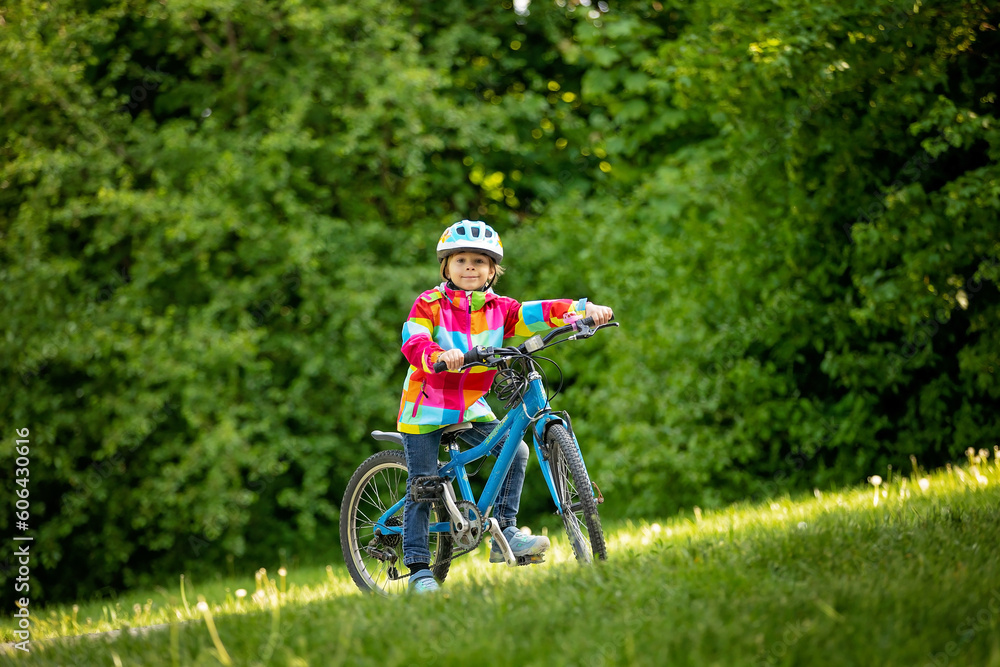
(452, 286)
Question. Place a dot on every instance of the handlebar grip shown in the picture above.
(589, 321)
(472, 356)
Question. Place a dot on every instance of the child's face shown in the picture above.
(469, 270)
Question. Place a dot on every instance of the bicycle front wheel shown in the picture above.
(575, 496)
(376, 561)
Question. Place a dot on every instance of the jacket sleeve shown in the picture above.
(530, 317)
(419, 347)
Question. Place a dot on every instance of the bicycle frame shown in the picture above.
(533, 412)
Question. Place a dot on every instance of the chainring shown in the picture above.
(468, 539)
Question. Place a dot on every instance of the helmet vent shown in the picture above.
(475, 232)
(460, 231)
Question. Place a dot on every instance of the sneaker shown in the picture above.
(527, 548)
(422, 581)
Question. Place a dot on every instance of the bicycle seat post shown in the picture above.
(449, 437)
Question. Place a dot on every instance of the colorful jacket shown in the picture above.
(443, 319)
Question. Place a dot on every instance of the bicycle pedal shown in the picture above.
(530, 560)
(426, 489)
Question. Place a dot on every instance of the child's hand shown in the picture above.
(600, 314)
(454, 358)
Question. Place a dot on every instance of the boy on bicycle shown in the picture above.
(444, 323)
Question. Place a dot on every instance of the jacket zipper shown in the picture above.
(465, 373)
(468, 302)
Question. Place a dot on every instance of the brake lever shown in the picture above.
(583, 331)
(587, 332)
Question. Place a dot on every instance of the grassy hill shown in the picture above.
(902, 571)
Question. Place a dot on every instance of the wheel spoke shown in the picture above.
(370, 498)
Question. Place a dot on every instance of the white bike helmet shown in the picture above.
(470, 236)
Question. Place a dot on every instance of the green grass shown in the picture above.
(835, 579)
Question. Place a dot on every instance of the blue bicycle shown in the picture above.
(371, 518)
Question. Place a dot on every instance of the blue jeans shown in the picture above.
(422, 459)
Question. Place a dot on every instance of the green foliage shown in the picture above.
(804, 270)
(214, 217)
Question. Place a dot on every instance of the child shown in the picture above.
(444, 323)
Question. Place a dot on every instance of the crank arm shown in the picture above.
(457, 520)
(498, 537)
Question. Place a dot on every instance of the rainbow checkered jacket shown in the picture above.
(443, 319)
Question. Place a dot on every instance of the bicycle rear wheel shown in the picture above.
(576, 497)
(376, 561)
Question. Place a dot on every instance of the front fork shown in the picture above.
(541, 449)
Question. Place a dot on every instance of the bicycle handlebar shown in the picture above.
(481, 353)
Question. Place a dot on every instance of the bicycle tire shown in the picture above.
(377, 484)
(579, 510)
